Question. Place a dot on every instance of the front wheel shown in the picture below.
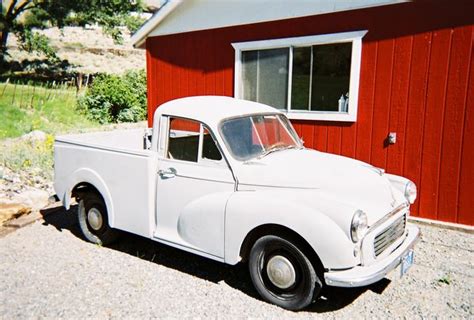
(282, 274)
(93, 220)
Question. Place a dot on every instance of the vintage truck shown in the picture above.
(230, 180)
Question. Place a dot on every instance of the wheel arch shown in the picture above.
(286, 233)
(84, 187)
(86, 180)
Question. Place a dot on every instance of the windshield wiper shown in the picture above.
(276, 148)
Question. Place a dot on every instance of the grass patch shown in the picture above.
(24, 108)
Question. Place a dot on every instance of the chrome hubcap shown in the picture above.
(281, 272)
(94, 217)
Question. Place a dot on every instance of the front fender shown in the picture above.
(247, 210)
(399, 183)
(85, 175)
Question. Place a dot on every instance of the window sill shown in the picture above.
(322, 116)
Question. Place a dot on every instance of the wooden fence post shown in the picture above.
(53, 95)
(44, 93)
(50, 87)
(21, 95)
(14, 92)
(32, 96)
(6, 84)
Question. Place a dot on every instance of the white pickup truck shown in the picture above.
(230, 180)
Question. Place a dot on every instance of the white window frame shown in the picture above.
(355, 37)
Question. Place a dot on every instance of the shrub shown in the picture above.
(113, 98)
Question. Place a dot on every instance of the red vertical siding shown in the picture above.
(334, 139)
(399, 101)
(320, 141)
(466, 185)
(381, 113)
(434, 114)
(456, 95)
(415, 110)
(366, 101)
(416, 79)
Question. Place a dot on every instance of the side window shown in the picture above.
(209, 148)
(183, 140)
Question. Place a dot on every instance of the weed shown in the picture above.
(446, 279)
(36, 155)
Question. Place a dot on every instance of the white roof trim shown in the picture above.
(139, 37)
(194, 15)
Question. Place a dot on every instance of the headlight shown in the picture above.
(410, 192)
(359, 225)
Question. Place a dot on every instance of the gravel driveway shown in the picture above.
(47, 270)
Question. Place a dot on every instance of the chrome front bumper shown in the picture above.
(364, 275)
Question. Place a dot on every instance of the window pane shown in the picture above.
(331, 72)
(265, 76)
(240, 138)
(301, 78)
(209, 148)
(249, 74)
(183, 142)
(252, 136)
(269, 131)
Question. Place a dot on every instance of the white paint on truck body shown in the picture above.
(209, 207)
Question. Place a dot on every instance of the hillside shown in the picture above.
(87, 51)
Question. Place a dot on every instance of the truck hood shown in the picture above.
(350, 182)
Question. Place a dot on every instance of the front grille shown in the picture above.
(388, 236)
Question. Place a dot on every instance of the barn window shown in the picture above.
(313, 77)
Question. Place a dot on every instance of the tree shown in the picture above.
(110, 14)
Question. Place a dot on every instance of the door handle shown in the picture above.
(167, 173)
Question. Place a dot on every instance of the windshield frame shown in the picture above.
(289, 129)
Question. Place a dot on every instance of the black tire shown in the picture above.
(304, 284)
(101, 233)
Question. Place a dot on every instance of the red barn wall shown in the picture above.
(417, 79)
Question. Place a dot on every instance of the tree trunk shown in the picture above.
(3, 47)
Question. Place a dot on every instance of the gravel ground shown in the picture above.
(48, 271)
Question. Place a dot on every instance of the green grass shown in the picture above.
(24, 108)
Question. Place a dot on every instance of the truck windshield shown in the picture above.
(256, 136)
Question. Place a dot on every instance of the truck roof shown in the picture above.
(211, 109)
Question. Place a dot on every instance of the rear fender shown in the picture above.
(84, 175)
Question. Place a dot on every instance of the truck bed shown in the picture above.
(128, 140)
(118, 166)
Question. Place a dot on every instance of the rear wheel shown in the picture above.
(93, 220)
(282, 274)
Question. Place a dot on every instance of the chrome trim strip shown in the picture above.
(389, 235)
(388, 216)
(364, 275)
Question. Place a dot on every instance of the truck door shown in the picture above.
(193, 185)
